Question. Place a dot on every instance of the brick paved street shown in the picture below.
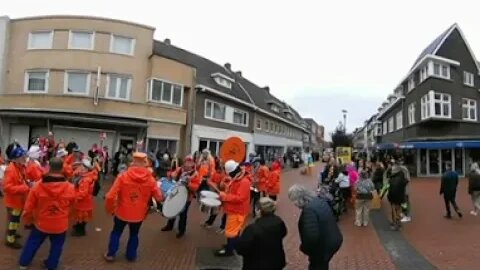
(362, 249)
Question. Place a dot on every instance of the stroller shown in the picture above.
(331, 193)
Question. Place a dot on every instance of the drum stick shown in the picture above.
(213, 186)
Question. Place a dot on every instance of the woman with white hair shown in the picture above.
(261, 243)
(474, 188)
(319, 233)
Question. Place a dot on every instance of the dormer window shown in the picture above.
(223, 80)
(275, 108)
(288, 115)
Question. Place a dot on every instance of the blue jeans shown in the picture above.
(182, 222)
(34, 242)
(132, 245)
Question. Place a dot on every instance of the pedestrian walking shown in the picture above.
(364, 198)
(378, 176)
(261, 243)
(48, 208)
(396, 193)
(448, 189)
(320, 235)
(474, 188)
(344, 184)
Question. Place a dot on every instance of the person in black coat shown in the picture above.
(449, 190)
(261, 243)
(320, 235)
(163, 166)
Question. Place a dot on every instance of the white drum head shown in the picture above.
(211, 202)
(209, 194)
(174, 204)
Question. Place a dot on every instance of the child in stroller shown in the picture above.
(332, 194)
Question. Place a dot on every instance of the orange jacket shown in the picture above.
(34, 172)
(131, 193)
(14, 186)
(84, 191)
(217, 178)
(49, 203)
(237, 199)
(193, 185)
(262, 176)
(273, 187)
(206, 169)
(68, 169)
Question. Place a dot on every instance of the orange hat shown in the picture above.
(140, 158)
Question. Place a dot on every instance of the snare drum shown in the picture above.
(166, 186)
(210, 206)
(175, 194)
(209, 194)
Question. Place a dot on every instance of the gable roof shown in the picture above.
(205, 68)
(433, 46)
(242, 89)
(437, 43)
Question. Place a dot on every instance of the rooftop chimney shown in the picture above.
(228, 66)
(238, 73)
(167, 41)
(267, 88)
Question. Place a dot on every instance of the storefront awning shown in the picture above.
(430, 145)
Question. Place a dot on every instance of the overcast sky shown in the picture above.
(319, 57)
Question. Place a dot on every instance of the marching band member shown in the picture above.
(250, 173)
(236, 204)
(206, 168)
(47, 208)
(34, 171)
(83, 181)
(15, 190)
(261, 174)
(193, 183)
(128, 201)
(71, 161)
(273, 186)
(217, 178)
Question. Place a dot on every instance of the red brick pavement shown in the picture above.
(361, 249)
(448, 244)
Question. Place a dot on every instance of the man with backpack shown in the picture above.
(396, 193)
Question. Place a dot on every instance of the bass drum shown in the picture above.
(175, 201)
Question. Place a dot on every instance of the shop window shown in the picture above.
(162, 145)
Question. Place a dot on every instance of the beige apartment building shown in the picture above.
(82, 76)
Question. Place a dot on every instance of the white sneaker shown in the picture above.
(473, 213)
(406, 219)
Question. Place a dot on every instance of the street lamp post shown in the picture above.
(344, 120)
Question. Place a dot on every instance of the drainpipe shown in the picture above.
(190, 116)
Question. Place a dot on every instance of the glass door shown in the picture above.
(447, 157)
(459, 161)
(422, 159)
(433, 162)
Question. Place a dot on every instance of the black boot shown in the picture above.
(169, 226)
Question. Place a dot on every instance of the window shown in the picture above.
(265, 127)
(215, 110)
(411, 83)
(469, 109)
(468, 78)
(385, 127)
(165, 92)
(441, 70)
(425, 106)
(122, 45)
(118, 86)
(275, 108)
(411, 114)
(442, 105)
(223, 82)
(240, 117)
(36, 81)
(423, 73)
(399, 120)
(271, 127)
(77, 82)
(40, 40)
(162, 145)
(258, 124)
(83, 40)
(212, 145)
(391, 126)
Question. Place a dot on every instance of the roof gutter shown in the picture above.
(252, 106)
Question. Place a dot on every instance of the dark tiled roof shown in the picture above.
(430, 49)
(205, 68)
(242, 89)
